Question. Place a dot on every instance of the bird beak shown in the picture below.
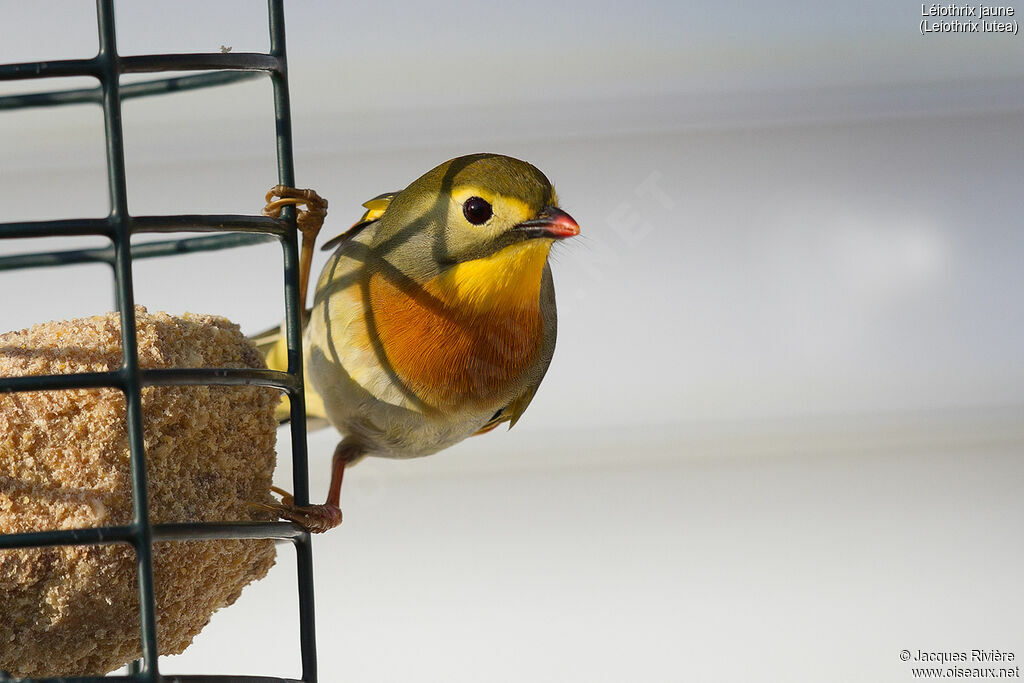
(552, 223)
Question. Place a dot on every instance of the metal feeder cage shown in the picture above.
(240, 230)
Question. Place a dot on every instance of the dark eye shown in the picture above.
(477, 211)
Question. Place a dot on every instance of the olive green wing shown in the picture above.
(374, 210)
(512, 412)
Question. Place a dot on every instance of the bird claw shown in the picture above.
(315, 519)
(310, 219)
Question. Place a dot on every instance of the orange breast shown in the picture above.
(446, 353)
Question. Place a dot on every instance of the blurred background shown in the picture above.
(782, 437)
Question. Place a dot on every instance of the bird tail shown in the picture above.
(273, 346)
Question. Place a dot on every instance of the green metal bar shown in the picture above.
(219, 376)
(144, 250)
(290, 245)
(98, 535)
(154, 377)
(293, 330)
(54, 69)
(64, 228)
(141, 224)
(121, 221)
(161, 86)
(232, 61)
(186, 531)
(192, 531)
(49, 259)
(211, 223)
(200, 61)
(81, 380)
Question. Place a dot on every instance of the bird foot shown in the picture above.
(315, 519)
(310, 219)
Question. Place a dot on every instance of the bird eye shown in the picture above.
(477, 211)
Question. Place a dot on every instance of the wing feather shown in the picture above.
(374, 210)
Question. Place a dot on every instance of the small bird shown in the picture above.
(433, 320)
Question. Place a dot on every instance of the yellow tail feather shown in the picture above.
(274, 346)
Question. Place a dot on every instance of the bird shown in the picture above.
(434, 318)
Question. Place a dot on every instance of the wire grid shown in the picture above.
(107, 66)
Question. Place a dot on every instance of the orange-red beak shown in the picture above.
(552, 223)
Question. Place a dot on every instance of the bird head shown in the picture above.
(479, 222)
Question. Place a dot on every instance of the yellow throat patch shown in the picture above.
(511, 277)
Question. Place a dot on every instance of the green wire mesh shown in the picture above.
(107, 66)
